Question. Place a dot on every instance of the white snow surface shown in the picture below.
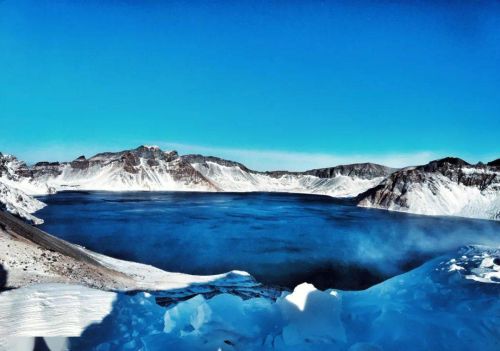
(20, 204)
(233, 178)
(52, 309)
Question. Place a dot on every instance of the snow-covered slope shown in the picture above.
(448, 186)
(30, 256)
(12, 190)
(18, 203)
(16, 174)
(341, 181)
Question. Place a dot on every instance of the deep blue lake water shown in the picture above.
(281, 239)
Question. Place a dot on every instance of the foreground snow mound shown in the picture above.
(305, 316)
(19, 204)
(450, 187)
(450, 303)
(445, 304)
(434, 307)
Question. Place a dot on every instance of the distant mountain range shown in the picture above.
(449, 186)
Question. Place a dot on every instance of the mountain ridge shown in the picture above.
(440, 187)
(448, 186)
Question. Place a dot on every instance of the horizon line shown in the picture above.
(255, 159)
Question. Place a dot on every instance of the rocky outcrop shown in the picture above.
(449, 186)
(359, 170)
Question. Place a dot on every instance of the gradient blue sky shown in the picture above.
(274, 84)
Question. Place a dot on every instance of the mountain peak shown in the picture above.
(494, 163)
(444, 162)
(148, 147)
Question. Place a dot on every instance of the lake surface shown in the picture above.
(281, 239)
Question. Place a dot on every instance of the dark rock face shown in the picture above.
(80, 163)
(130, 162)
(453, 168)
(444, 163)
(495, 163)
(45, 169)
(359, 170)
(392, 189)
(10, 164)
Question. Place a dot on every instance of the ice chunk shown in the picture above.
(311, 315)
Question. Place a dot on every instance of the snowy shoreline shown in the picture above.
(77, 296)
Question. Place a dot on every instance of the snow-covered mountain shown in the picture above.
(449, 186)
(12, 198)
(444, 187)
(340, 181)
(17, 174)
(144, 168)
(150, 168)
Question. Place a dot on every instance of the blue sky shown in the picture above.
(273, 84)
